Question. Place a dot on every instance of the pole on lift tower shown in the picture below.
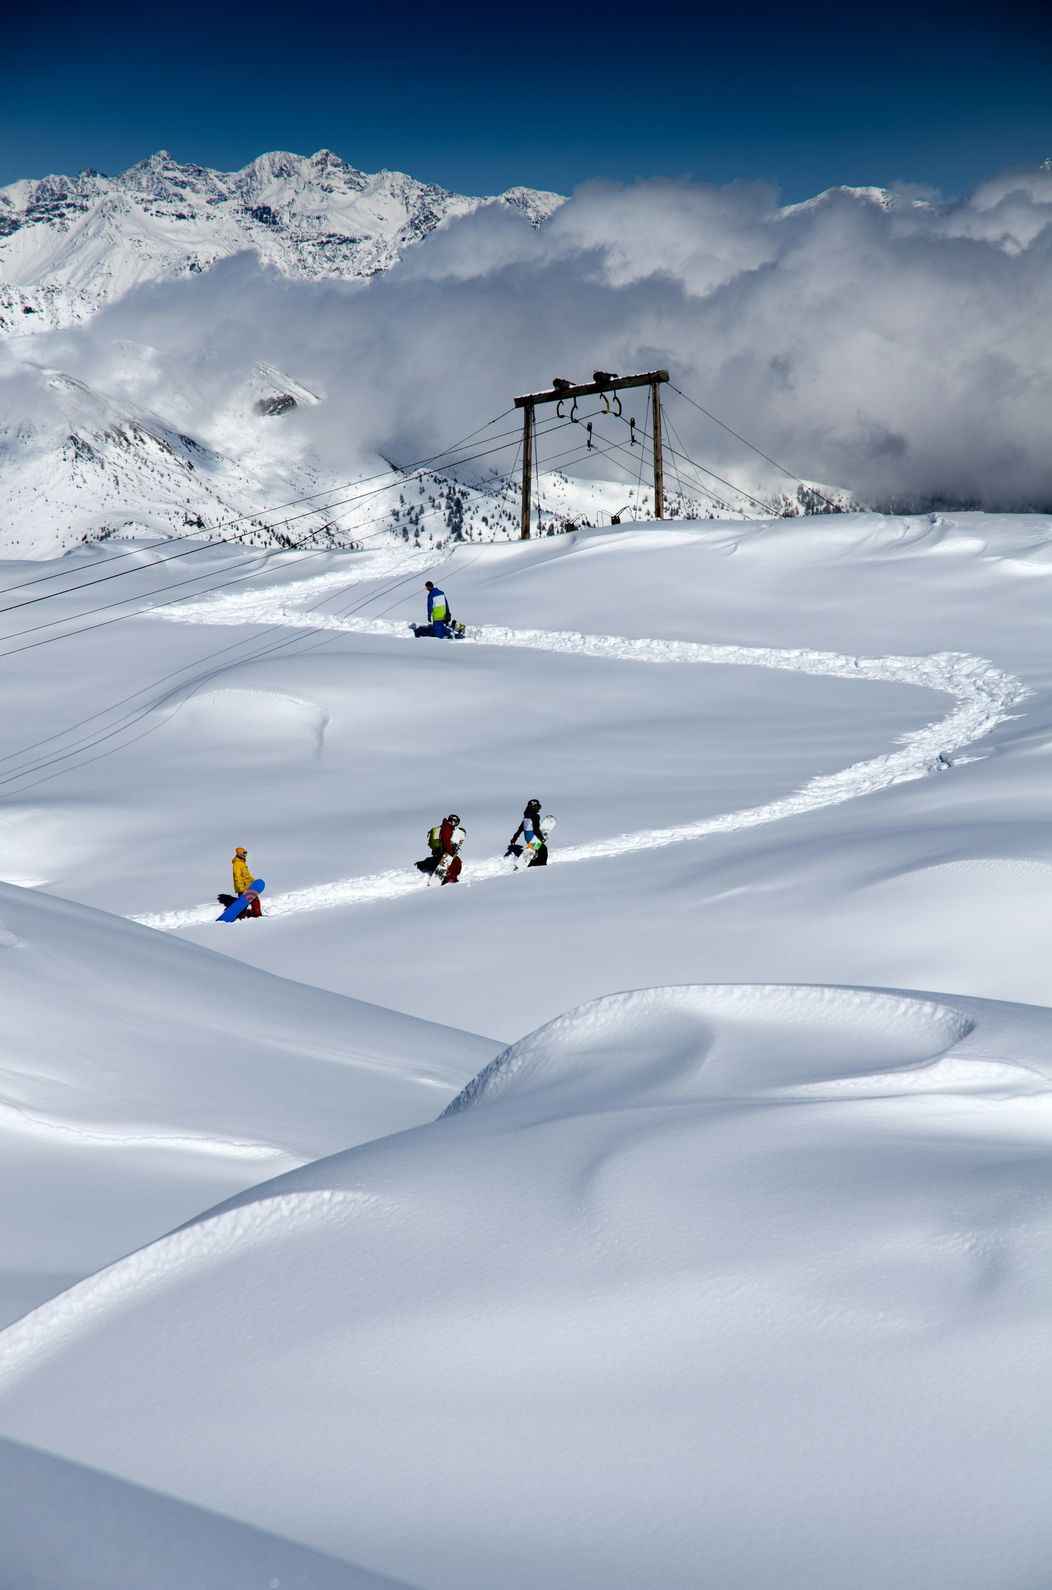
(527, 469)
(602, 385)
(659, 465)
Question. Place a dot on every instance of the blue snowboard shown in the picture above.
(232, 912)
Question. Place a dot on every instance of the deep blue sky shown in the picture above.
(478, 98)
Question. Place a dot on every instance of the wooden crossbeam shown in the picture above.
(591, 388)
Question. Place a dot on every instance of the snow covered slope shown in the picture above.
(41, 308)
(738, 1277)
(310, 217)
(115, 1536)
(78, 464)
(694, 1285)
(142, 1078)
(630, 719)
(638, 682)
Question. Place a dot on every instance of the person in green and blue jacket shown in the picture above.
(437, 610)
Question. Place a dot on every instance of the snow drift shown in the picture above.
(733, 1285)
(140, 1078)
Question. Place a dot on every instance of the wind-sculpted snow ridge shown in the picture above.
(13, 1117)
(603, 1047)
(159, 1264)
(984, 695)
(648, 1046)
(750, 1279)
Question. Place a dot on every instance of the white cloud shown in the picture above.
(903, 350)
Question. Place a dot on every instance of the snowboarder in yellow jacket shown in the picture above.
(243, 876)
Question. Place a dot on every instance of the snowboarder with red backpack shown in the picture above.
(445, 840)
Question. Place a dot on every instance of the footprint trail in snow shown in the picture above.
(984, 696)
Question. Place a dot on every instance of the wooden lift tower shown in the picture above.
(601, 385)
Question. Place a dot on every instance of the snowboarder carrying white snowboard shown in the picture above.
(444, 842)
(533, 831)
(446, 838)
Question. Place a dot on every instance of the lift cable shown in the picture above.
(759, 451)
(205, 545)
(194, 579)
(217, 538)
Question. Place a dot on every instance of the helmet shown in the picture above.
(533, 803)
(240, 851)
(452, 818)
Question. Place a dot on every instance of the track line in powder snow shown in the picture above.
(16, 1118)
(984, 697)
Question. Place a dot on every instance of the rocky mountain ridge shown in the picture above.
(68, 245)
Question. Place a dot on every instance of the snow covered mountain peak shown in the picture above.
(91, 238)
(881, 198)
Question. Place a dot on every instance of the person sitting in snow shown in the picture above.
(440, 621)
(437, 610)
(438, 615)
(243, 879)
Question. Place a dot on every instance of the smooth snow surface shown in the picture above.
(740, 1277)
(138, 1086)
(677, 1281)
(115, 1536)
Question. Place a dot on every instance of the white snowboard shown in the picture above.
(519, 863)
(459, 836)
